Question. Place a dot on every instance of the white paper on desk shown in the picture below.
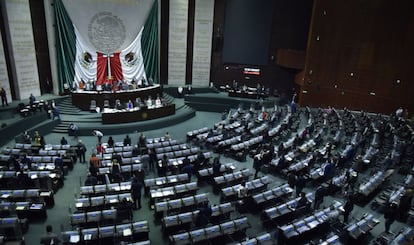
(127, 232)
(74, 239)
(87, 237)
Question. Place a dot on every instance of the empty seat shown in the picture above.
(92, 106)
(106, 104)
(77, 219)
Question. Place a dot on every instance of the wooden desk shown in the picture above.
(138, 115)
(82, 99)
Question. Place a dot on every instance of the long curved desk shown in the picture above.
(82, 99)
(126, 116)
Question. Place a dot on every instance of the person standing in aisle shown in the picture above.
(98, 134)
(3, 97)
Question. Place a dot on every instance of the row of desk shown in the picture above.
(171, 148)
(193, 133)
(160, 142)
(183, 220)
(362, 226)
(175, 191)
(175, 162)
(99, 202)
(82, 99)
(84, 219)
(36, 195)
(28, 210)
(272, 196)
(247, 144)
(284, 212)
(180, 204)
(179, 153)
(211, 232)
(208, 173)
(292, 233)
(232, 178)
(106, 189)
(263, 239)
(126, 116)
(129, 232)
(239, 191)
(155, 183)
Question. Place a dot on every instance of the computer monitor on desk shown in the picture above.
(111, 199)
(81, 203)
(114, 187)
(94, 216)
(97, 201)
(109, 214)
(90, 234)
(86, 190)
(126, 196)
(107, 232)
(78, 218)
(124, 230)
(70, 237)
(100, 189)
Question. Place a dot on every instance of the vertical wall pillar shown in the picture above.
(20, 41)
(4, 77)
(50, 22)
(203, 35)
(177, 42)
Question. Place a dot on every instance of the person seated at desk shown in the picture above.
(82, 85)
(302, 202)
(149, 102)
(88, 86)
(118, 105)
(242, 192)
(116, 86)
(26, 162)
(203, 217)
(130, 105)
(91, 180)
(144, 82)
(124, 86)
(23, 180)
(138, 102)
(13, 163)
(124, 210)
(200, 161)
(150, 81)
(133, 85)
(107, 86)
(26, 138)
(139, 83)
(158, 102)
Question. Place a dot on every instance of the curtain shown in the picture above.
(65, 45)
(116, 69)
(101, 69)
(149, 42)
